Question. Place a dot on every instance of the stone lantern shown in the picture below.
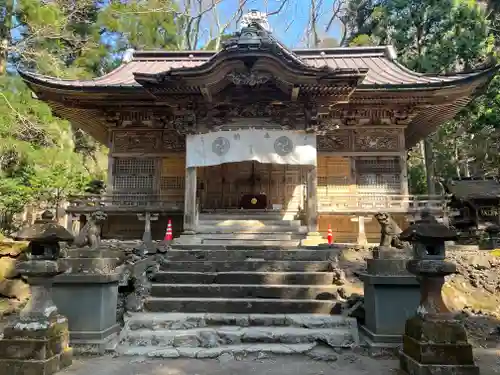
(434, 342)
(36, 341)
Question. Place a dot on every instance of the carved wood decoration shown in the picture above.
(136, 141)
(199, 117)
(339, 140)
(377, 140)
(336, 141)
(147, 141)
(350, 115)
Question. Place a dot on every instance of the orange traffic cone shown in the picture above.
(168, 234)
(330, 235)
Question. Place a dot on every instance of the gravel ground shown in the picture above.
(346, 364)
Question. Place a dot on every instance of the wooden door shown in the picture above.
(224, 185)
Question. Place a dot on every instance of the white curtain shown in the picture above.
(264, 146)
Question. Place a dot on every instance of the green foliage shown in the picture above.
(437, 36)
(42, 158)
(146, 24)
(441, 36)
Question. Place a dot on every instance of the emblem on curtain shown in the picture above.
(220, 146)
(283, 145)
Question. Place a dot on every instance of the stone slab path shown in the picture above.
(344, 364)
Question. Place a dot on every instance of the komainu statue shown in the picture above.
(90, 235)
(389, 232)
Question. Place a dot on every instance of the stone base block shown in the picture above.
(37, 367)
(436, 347)
(412, 367)
(374, 340)
(35, 347)
(94, 342)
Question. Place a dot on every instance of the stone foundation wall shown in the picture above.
(13, 290)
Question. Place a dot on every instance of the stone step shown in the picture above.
(186, 352)
(264, 278)
(181, 321)
(248, 265)
(242, 245)
(323, 292)
(240, 306)
(193, 255)
(242, 215)
(248, 223)
(236, 236)
(256, 242)
(213, 337)
(264, 229)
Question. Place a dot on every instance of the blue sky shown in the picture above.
(290, 24)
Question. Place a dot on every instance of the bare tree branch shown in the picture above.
(282, 5)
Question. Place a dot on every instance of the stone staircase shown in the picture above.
(242, 284)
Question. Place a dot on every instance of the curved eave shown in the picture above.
(45, 82)
(460, 81)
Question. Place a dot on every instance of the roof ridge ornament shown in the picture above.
(255, 17)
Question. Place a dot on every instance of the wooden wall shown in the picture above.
(345, 229)
(342, 176)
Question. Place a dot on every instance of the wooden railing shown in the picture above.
(372, 203)
(119, 202)
(337, 203)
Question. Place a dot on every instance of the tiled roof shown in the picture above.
(474, 188)
(383, 69)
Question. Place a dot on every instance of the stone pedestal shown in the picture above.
(434, 342)
(88, 295)
(436, 347)
(36, 342)
(391, 295)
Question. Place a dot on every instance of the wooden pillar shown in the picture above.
(429, 166)
(190, 201)
(312, 200)
(362, 240)
(111, 164)
(404, 174)
(403, 164)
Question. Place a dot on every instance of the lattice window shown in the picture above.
(378, 165)
(134, 166)
(172, 183)
(135, 182)
(371, 182)
(332, 181)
